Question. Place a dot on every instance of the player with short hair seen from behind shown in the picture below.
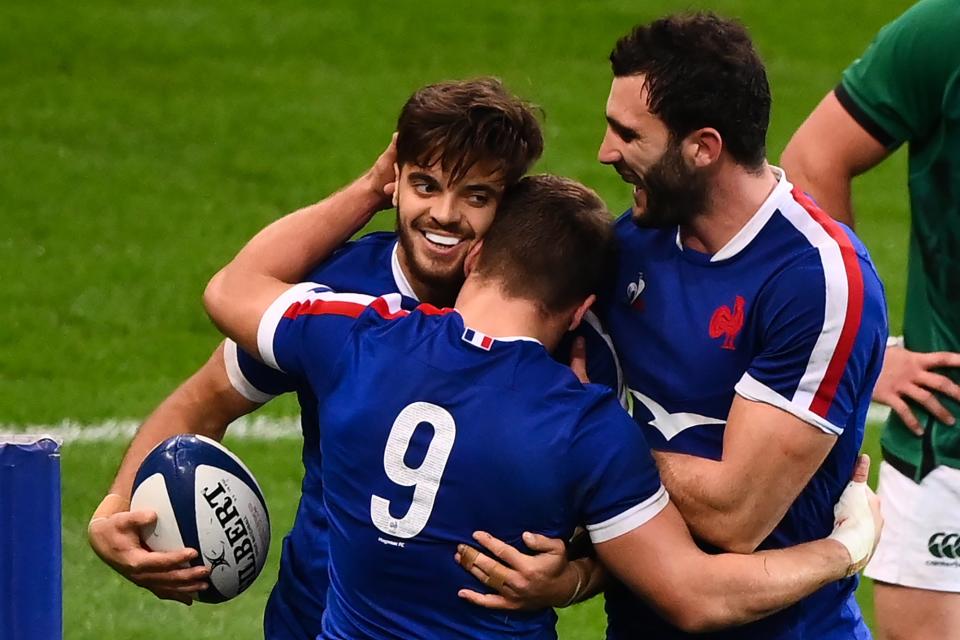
(439, 422)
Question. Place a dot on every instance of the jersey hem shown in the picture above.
(752, 389)
(630, 519)
(238, 381)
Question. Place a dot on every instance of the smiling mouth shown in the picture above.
(440, 241)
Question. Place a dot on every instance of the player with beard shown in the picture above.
(458, 145)
(751, 326)
(475, 425)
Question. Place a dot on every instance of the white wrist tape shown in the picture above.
(853, 524)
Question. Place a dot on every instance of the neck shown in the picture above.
(439, 295)
(736, 195)
(485, 307)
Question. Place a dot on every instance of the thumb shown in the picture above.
(140, 518)
(862, 468)
(543, 544)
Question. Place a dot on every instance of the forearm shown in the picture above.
(205, 404)
(281, 254)
(744, 588)
(714, 502)
(286, 249)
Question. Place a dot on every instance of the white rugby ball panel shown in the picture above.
(164, 534)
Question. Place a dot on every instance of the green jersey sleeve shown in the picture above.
(896, 89)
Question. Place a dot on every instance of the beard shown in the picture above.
(674, 193)
(442, 278)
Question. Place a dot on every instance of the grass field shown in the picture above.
(142, 143)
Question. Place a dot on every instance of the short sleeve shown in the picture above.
(251, 378)
(896, 89)
(308, 325)
(821, 324)
(616, 483)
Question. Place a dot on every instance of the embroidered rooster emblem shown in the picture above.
(726, 323)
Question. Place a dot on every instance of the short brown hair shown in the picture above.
(459, 124)
(702, 71)
(551, 242)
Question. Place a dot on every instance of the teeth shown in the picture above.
(446, 241)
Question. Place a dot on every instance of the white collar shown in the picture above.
(399, 277)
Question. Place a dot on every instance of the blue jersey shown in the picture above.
(791, 313)
(369, 266)
(432, 430)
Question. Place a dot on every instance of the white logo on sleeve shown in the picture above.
(671, 424)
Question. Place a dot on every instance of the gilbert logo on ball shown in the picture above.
(205, 499)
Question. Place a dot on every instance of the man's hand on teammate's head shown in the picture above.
(521, 581)
(114, 534)
(858, 521)
(909, 375)
(382, 176)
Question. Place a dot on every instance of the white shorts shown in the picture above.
(920, 543)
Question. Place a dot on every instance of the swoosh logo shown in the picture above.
(671, 424)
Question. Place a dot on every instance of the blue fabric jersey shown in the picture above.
(369, 266)
(432, 430)
(791, 313)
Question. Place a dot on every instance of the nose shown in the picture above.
(446, 210)
(609, 152)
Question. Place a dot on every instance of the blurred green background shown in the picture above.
(142, 143)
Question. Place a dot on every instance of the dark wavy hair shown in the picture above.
(702, 70)
(459, 124)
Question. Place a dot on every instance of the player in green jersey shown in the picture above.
(906, 88)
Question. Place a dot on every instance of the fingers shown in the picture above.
(509, 555)
(902, 409)
(928, 401)
(578, 360)
(543, 544)
(182, 598)
(862, 469)
(484, 568)
(488, 600)
(131, 519)
(939, 359)
(143, 561)
(177, 579)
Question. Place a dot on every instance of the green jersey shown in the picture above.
(906, 88)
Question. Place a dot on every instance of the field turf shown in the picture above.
(142, 143)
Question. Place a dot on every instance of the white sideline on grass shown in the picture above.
(69, 431)
(247, 428)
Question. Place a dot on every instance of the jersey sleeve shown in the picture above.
(615, 480)
(307, 325)
(895, 90)
(821, 333)
(251, 378)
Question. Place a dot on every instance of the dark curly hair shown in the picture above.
(701, 70)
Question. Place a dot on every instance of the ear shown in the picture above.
(470, 262)
(581, 311)
(396, 183)
(702, 148)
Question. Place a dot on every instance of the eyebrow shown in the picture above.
(420, 175)
(484, 188)
(621, 129)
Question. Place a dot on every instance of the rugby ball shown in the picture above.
(205, 499)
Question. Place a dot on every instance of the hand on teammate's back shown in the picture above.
(114, 534)
(909, 375)
(521, 581)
